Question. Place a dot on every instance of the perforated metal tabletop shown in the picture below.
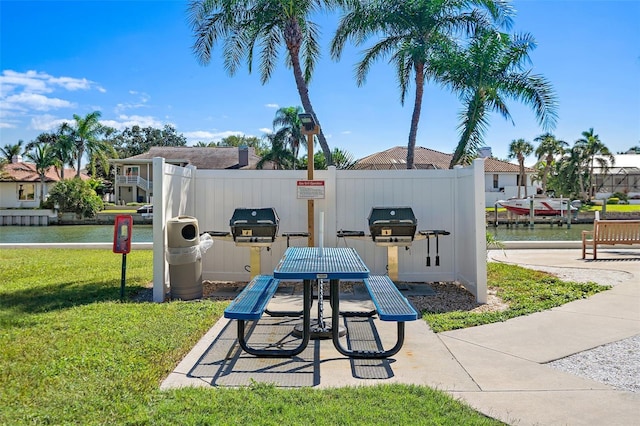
(310, 263)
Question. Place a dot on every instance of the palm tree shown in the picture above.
(520, 149)
(85, 132)
(43, 157)
(591, 147)
(281, 157)
(9, 151)
(412, 31)
(269, 24)
(486, 73)
(287, 121)
(549, 148)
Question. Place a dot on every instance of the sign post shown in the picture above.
(122, 244)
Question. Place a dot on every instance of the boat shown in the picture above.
(542, 206)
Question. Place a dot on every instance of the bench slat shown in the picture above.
(389, 302)
(253, 299)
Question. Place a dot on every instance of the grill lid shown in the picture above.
(254, 225)
(392, 224)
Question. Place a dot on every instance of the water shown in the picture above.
(541, 232)
(144, 233)
(70, 234)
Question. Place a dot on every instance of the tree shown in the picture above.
(76, 196)
(591, 146)
(9, 151)
(138, 140)
(520, 149)
(279, 154)
(43, 156)
(85, 133)
(240, 25)
(62, 147)
(490, 70)
(548, 148)
(287, 122)
(412, 31)
(259, 146)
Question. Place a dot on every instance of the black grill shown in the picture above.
(254, 226)
(392, 225)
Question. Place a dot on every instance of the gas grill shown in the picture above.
(392, 226)
(254, 227)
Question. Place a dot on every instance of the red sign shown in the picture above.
(310, 189)
(122, 234)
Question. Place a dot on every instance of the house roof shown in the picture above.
(26, 172)
(425, 158)
(201, 157)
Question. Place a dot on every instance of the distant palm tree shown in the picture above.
(85, 133)
(549, 148)
(269, 23)
(287, 122)
(279, 154)
(520, 149)
(486, 73)
(9, 150)
(591, 146)
(411, 32)
(43, 156)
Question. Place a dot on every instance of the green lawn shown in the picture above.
(525, 290)
(72, 353)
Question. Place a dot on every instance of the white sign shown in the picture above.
(310, 189)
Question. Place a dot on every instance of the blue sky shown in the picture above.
(132, 60)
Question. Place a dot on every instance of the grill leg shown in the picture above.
(392, 262)
(254, 261)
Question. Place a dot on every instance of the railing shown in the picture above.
(134, 180)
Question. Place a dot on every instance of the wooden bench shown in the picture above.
(390, 304)
(610, 233)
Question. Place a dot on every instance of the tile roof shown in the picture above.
(201, 157)
(26, 172)
(425, 158)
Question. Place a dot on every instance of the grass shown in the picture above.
(72, 353)
(525, 290)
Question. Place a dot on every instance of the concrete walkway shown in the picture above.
(498, 369)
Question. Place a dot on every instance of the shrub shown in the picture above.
(76, 196)
(613, 200)
(624, 198)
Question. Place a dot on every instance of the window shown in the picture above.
(132, 171)
(495, 181)
(26, 192)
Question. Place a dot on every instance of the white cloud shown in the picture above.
(207, 136)
(266, 130)
(47, 123)
(25, 101)
(124, 121)
(141, 102)
(275, 106)
(346, 132)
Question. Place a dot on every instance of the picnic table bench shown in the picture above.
(610, 233)
(251, 303)
(390, 304)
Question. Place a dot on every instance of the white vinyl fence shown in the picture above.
(451, 200)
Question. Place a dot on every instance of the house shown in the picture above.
(20, 186)
(134, 175)
(623, 176)
(500, 177)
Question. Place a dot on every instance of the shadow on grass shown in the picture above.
(53, 297)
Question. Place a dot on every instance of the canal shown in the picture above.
(144, 233)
